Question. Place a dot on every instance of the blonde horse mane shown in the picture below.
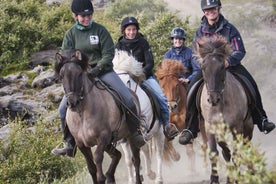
(124, 62)
(170, 67)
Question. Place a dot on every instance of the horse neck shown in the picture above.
(88, 85)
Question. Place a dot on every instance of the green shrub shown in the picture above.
(247, 164)
(26, 155)
(29, 26)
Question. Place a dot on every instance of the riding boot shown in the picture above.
(70, 148)
(133, 126)
(260, 118)
(170, 131)
(191, 133)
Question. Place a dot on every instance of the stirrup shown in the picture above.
(187, 130)
(263, 126)
(61, 143)
(167, 134)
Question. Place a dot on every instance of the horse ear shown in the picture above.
(58, 57)
(78, 55)
(58, 63)
(196, 47)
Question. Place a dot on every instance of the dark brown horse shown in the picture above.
(223, 99)
(168, 74)
(93, 117)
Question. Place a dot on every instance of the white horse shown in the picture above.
(126, 66)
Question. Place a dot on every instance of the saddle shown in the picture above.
(154, 103)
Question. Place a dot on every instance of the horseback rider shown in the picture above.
(135, 44)
(213, 22)
(180, 52)
(95, 41)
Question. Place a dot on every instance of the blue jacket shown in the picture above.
(228, 31)
(185, 55)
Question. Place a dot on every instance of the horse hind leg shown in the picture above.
(191, 155)
(115, 158)
(86, 151)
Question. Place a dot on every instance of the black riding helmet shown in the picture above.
(129, 21)
(207, 4)
(178, 32)
(82, 7)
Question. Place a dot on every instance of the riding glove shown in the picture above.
(95, 72)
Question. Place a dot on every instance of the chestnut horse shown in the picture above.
(223, 99)
(168, 74)
(94, 117)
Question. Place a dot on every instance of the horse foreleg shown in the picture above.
(137, 162)
(115, 158)
(147, 160)
(129, 162)
(214, 178)
(86, 151)
(204, 139)
(159, 146)
(98, 158)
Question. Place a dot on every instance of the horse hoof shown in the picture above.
(151, 175)
(214, 180)
(176, 157)
(159, 182)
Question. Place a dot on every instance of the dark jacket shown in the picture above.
(188, 60)
(228, 31)
(139, 48)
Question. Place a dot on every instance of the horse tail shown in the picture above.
(169, 153)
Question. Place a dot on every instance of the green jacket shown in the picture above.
(95, 42)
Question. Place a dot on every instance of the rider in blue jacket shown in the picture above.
(180, 52)
(214, 23)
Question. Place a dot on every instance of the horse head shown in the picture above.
(168, 74)
(123, 63)
(213, 53)
(70, 66)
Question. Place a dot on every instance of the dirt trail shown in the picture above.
(185, 8)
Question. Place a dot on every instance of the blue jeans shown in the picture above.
(62, 111)
(152, 84)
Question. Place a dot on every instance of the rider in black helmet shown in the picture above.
(213, 22)
(135, 44)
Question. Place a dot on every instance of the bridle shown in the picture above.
(174, 103)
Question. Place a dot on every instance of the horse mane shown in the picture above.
(204, 46)
(69, 56)
(123, 61)
(170, 67)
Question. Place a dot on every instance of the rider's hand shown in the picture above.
(226, 63)
(183, 80)
(95, 72)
